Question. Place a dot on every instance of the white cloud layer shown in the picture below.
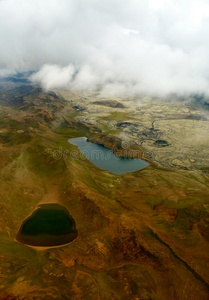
(136, 46)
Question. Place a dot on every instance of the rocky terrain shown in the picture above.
(173, 133)
(141, 235)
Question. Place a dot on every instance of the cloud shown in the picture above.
(124, 47)
(52, 76)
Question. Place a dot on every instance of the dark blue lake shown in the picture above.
(105, 159)
(49, 225)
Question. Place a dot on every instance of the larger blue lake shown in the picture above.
(105, 158)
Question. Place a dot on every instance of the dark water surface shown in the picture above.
(49, 225)
(105, 158)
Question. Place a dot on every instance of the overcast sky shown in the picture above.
(135, 46)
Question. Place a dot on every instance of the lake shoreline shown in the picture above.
(105, 159)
